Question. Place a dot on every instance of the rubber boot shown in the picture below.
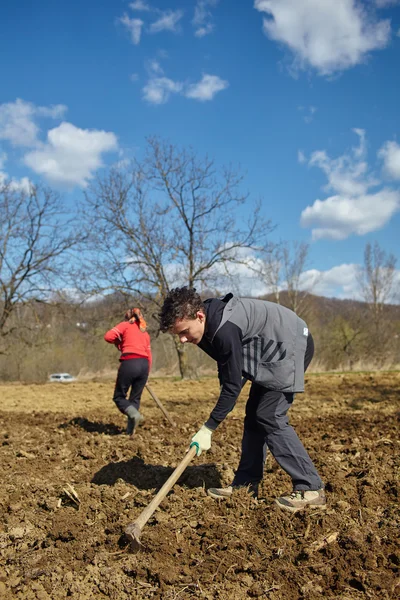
(134, 419)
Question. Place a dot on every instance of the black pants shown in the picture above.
(132, 373)
(266, 426)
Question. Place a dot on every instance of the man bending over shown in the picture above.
(270, 346)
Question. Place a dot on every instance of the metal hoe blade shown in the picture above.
(132, 534)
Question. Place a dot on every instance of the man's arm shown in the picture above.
(228, 348)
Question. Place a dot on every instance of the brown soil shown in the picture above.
(52, 546)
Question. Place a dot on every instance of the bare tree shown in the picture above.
(376, 278)
(170, 219)
(35, 238)
(346, 335)
(280, 267)
(294, 262)
(269, 269)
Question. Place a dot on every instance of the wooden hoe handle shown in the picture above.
(160, 405)
(159, 497)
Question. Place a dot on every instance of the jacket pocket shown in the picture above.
(277, 375)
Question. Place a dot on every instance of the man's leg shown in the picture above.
(289, 452)
(283, 441)
(252, 459)
(254, 447)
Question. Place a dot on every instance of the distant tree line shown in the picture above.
(169, 219)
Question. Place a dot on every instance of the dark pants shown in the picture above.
(132, 373)
(266, 426)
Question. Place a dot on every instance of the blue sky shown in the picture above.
(304, 95)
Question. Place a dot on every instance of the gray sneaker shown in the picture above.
(220, 493)
(299, 499)
(224, 493)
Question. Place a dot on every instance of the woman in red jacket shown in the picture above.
(132, 340)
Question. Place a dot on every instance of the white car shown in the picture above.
(61, 378)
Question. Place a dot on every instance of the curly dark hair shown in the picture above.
(180, 303)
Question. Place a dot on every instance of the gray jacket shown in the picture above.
(274, 341)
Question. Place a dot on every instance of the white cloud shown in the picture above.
(21, 185)
(339, 216)
(140, 5)
(360, 150)
(301, 157)
(241, 278)
(16, 185)
(17, 121)
(71, 155)
(340, 281)
(154, 68)
(202, 20)
(158, 89)
(169, 21)
(308, 113)
(390, 154)
(206, 88)
(134, 27)
(55, 111)
(243, 282)
(353, 208)
(347, 174)
(204, 30)
(328, 35)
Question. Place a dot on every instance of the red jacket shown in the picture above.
(130, 340)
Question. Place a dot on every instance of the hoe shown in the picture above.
(134, 530)
(160, 405)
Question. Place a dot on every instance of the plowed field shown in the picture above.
(71, 481)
